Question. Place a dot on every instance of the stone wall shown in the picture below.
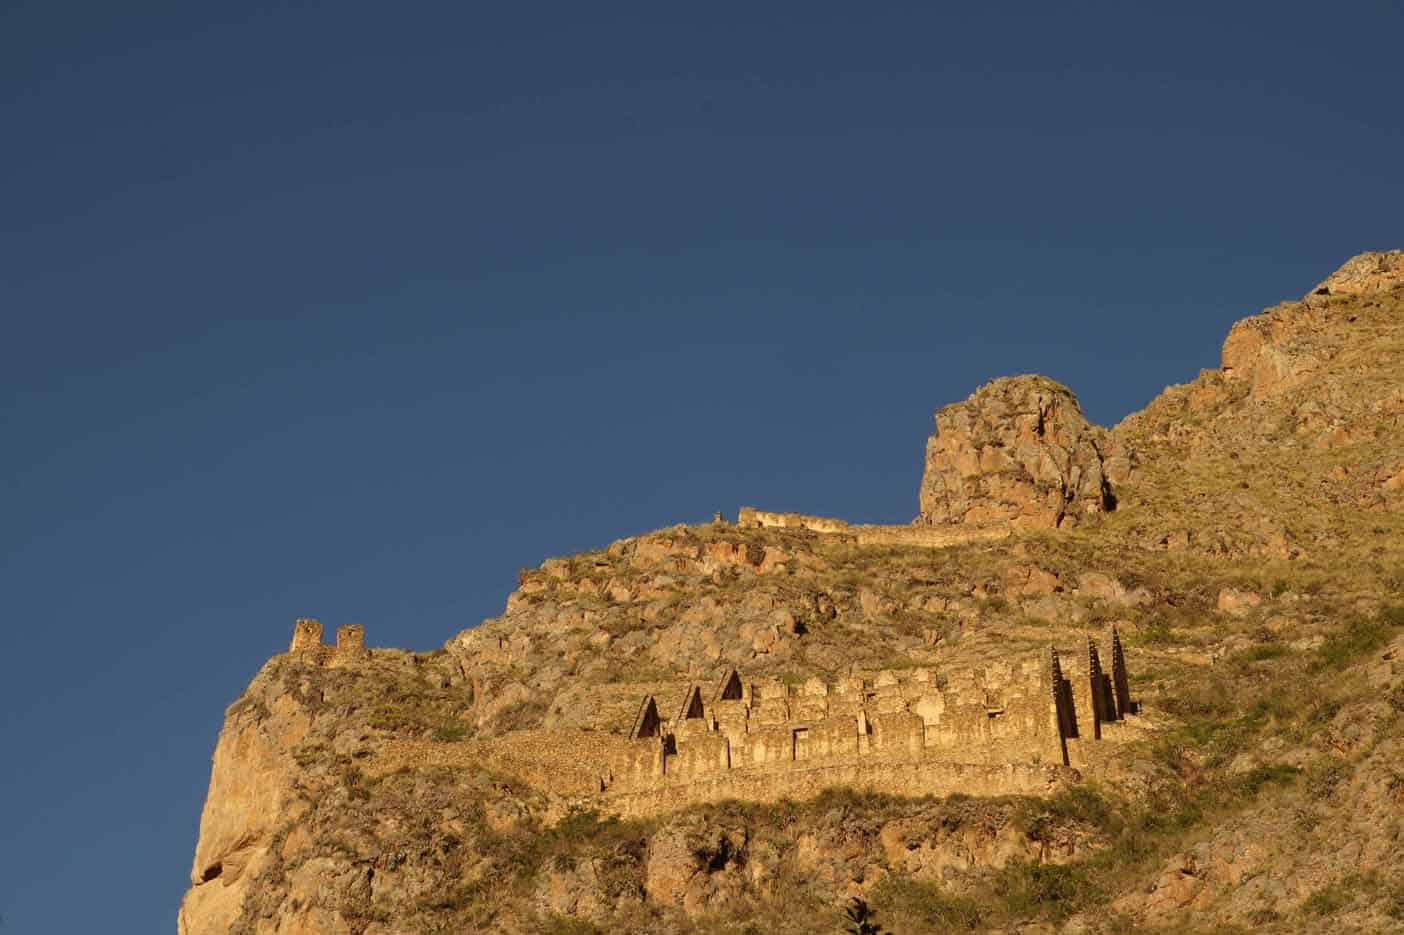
(751, 517)
(911, 732)
(350, 640)
(307, 635)
(909, 778)
(874, 533)
(931, 537)
(1015, 726)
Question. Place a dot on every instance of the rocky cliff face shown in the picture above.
(1019, 451)
(1286, 345)
(1374, 272)
(1254, 561)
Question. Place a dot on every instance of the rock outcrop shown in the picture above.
(1286, 345)
(1267, 352)
(1018, 451)
(1374, 271)
(251, 786)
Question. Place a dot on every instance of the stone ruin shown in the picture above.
(1103, 697)
(873, 533)
(1002, 728)
(1013, 726)
(749, 517)
(307, 642)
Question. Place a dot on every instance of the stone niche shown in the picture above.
(1018, 452)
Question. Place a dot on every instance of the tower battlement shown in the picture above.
(351, 640)
(307, 635)
(308, 644)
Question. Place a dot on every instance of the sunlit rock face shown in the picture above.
(1291, 344)
(1018, 451)
(1374, 271)
(820, 690)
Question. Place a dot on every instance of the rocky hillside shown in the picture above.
(1245, 532)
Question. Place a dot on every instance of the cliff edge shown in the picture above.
(1109, 680)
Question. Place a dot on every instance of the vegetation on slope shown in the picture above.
(1255, 567)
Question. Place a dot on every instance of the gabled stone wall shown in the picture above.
(901, 732)
(1009, 727)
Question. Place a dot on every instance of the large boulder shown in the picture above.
(696, 865)
(1018, 451)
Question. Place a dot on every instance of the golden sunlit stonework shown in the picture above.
(1019, 726)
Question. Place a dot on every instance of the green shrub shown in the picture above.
(1264, 652)
(1252, 781)
(927, 906)
(849, 798)
(1052, 890)
(452, 732)
(1359, 638)
(1334, 897)
(860, 919)
(1394, 900)
(1080, 803)
(1158, 631)
(568, 925)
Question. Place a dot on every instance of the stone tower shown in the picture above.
(307, 635)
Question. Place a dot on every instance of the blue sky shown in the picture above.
(351, 310)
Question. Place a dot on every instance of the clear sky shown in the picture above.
(351, 310)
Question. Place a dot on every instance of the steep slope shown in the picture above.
(1244, 532)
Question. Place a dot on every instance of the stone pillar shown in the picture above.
(1094, 686)
(351, 640)
(660, 758)
(1059, 702)
(307, 635)
(1121, 686)
(1079, 691)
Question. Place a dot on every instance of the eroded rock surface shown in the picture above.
(1289, 344)
(1373, 271)
(1018, 451)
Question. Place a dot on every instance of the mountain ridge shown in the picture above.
(1241, 531)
